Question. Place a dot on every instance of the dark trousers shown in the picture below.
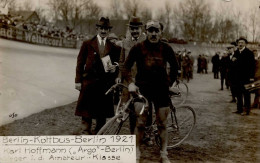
(223, 77)
(240, 93)
(216, 75)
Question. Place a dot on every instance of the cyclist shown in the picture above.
(151, 57)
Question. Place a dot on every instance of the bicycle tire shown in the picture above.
(176, 135)
(186, 120)
(112, 127)
(182, 97)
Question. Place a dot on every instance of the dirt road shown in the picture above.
(219, 135)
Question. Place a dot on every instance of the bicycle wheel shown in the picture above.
(181, 121)
(112, 127)
(179, 99)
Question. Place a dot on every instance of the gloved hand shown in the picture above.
(78, 86)
(132, 87)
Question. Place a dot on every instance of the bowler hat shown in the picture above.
(104, 22)
(135, 22)
(242, 38)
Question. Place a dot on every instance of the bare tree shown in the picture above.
(165, 16)
(10, 4)
(194, 19)
(27, 6)
(72, 12)
(116, 9)
(146, 14)
(254, 23)
(131, 7)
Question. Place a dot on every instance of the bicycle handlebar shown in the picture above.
(139, 95)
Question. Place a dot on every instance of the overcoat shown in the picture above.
(90, 72)
(242, 67)
(216, 63)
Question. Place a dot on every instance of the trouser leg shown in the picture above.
(100, 122)
(239, 96)
(247, 99)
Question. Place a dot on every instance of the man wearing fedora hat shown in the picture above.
(134, 36)
(151, 57)
(95, 74)
(243, 66)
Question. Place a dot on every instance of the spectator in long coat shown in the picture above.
(243, 67)
(95, 74)
(186, 67)
(231, 50)
(223, 68)
(199, 69)
(204, 64)
(215, 68)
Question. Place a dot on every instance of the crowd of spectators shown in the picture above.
(45, 29)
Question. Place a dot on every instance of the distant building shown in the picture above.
(25, 16)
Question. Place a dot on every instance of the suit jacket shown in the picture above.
(90, 72)
(242, 67)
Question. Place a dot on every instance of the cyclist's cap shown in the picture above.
(152, 23)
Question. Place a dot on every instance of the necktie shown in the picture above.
(102, 48)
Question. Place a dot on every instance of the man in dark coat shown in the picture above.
(231, 49)
(242, 70)
(215, 62)
(95, 74)
(151, 57)
(223, 68)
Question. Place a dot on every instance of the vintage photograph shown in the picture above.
(183, 76)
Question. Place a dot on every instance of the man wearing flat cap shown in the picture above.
(243, 66)
(151, 57)
(95, 74)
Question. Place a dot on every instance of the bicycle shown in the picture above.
(181, 120)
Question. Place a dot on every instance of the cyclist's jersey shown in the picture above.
(151, 61)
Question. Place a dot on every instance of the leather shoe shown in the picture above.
(237, 112)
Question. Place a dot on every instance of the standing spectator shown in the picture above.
(135, 30)
(204, 64)
(199, 64)
(223, 70)
(215, 62)
(151, 57)
(95, 74)
(186, 67)
(257, 78)
(243, 66)
(231, 49)
(191, 63)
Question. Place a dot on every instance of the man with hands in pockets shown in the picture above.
(151, 57)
